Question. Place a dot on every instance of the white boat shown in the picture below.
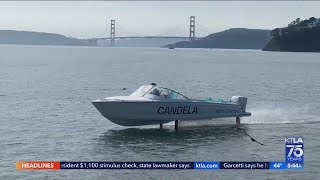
(151, 104)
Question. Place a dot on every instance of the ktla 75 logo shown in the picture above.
(294, 149)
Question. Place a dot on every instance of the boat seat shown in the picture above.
(218, 101)
(213, 100)
(207, 100)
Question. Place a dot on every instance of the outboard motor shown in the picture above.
(240, 100)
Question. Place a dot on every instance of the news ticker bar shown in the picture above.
(57, 165)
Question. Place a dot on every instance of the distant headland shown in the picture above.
(234, 38)
(41, 38)
(298, 36)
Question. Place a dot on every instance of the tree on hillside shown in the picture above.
(312, 19)
(276, 33)
(304, 23)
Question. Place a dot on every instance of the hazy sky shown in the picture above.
(92, 19)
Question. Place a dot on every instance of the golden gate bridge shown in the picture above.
(191, 31)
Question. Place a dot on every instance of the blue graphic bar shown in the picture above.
(293, 166)
(207, 165)
(277, 165)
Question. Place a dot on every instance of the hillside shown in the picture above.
(298, 36)
(40, 38)
(235, 38)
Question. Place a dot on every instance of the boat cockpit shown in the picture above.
(157, 93)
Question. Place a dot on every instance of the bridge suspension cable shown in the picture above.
(203, 27)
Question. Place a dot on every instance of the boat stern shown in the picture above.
(241, 101)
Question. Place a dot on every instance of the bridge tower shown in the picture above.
(192, 28)
(112, 32)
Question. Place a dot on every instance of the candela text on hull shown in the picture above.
(151, 104)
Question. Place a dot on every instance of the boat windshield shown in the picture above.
(166, 93)
(142, 90)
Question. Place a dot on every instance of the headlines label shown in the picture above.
(38, 165)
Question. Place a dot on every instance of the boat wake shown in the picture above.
(262, 115)
(279, 115)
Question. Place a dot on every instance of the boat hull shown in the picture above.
(131, 113)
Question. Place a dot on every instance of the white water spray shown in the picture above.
(261, 115)
(279, 115)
